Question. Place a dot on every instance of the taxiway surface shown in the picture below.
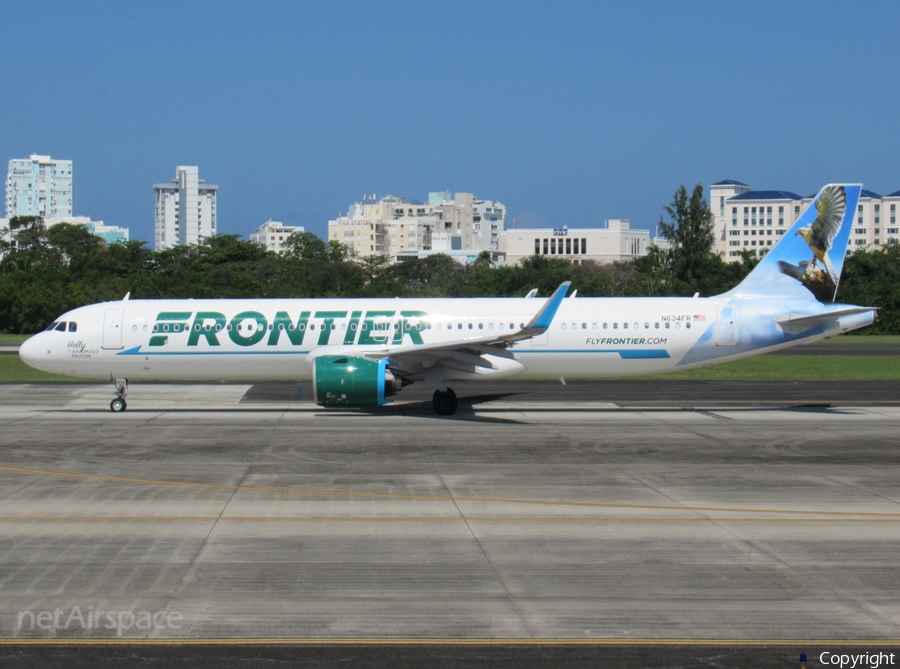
(538, 512)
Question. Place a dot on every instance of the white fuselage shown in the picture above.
(280, 338)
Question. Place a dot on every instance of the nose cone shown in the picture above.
(34, 351)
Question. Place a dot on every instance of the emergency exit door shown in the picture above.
(727, 326)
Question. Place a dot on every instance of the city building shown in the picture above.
(39, 186)
(272, 234)
(451, 244)
(109, 233)
(750, 220)
(615, 242)
(391, 226)
(185, 209)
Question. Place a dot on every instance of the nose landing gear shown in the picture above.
(119, 403)
(445, 403)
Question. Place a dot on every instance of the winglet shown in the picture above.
(543, 318)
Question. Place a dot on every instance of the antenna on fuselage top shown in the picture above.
(532, 292)
(127, 295)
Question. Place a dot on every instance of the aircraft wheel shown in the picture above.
(117, 405)
(445, 403)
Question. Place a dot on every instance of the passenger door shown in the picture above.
(112, 328)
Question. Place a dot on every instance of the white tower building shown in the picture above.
(185, 209)
(39, 186)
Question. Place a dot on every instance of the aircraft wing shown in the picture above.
(471, 351)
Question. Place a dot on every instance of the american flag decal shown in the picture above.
(700, 317)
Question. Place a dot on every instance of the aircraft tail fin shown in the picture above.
(807, 261)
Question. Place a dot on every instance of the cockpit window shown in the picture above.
(52, 326)
(62, 326)
(73, 326)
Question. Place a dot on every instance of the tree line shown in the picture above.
(49, 271)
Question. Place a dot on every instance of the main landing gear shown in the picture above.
(119, 403)
(445, 402)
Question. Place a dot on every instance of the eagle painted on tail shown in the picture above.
(820, 235)
(821, 281)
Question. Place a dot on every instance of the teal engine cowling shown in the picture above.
(347, 381)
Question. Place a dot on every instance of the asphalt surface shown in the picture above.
(442, 656)
(621, 392)
(620, 523)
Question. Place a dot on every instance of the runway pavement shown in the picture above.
(661, 516)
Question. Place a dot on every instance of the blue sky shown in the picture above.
(569, 113)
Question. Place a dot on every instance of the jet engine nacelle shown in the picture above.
(340, 380)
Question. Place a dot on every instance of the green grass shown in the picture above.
(12, 339)
(13, 370)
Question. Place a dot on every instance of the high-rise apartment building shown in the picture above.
(39, 186)
(185, 209)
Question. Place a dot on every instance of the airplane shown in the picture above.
(360, 352)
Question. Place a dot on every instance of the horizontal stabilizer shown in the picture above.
(797, 324)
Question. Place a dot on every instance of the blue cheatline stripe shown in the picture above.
(628, 354)
(624, 353)
(137, 351)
